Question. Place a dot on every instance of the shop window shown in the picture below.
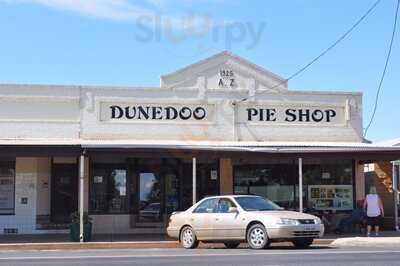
(108, 189)
(328, 185)
(277, 182)
(207, 181)
(171, 192)
(7, 187)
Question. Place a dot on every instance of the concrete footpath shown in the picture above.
(367, 242)
(56, 243)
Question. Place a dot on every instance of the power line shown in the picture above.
(384, 69)
(341, 38)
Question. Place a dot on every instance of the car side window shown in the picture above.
(224, 205)
(207, 206)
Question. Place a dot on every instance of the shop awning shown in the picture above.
(40, 147)
(366, 150)
(39, 142)
(278, 147)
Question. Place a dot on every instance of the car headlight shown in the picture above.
(287, 221)
(317, 221)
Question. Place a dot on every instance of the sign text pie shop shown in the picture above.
(206, 113)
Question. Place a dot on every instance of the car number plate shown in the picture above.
(309, 228)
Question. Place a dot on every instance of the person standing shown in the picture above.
(374, 210)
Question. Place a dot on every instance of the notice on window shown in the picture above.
(6, 194)
(214, 175)
(98, 179)
(331, 197)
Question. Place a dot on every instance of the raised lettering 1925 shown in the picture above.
(227, 78)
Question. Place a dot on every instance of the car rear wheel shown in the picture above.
(303, 243)
(231, 244)
(257, 237)
(188, 238)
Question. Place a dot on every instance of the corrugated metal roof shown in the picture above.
(265, 146)
(39, 142)
(242, 145)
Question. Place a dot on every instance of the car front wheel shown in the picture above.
(188, 238)
(257, 237)
(303, 243)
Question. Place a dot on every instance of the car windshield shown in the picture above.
(257, 204)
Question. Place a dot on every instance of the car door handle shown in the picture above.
(216, 219)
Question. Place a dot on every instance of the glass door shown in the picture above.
(171, 182)
(155, 190)
(150, 195)
(64, 194)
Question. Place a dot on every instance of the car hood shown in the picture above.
(286, 214)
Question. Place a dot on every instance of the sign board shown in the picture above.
(291, 113)
(295, 113)
(157, 113)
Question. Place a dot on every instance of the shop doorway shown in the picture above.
(156, 189)
(150, 195)
(64, 192)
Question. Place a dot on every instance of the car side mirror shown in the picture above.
(233, 210)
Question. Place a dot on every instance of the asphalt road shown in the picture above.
(221, 257)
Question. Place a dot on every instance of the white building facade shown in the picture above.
(237, 123)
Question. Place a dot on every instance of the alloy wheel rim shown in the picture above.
(257, 237)
(187, 237)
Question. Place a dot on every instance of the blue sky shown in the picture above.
(123, 42)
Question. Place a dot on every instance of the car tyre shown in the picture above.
(188, 238)
(257, 237)
(231, 244)
(303, 243)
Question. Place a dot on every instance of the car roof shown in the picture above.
(227, 196)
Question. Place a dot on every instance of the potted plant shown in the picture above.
(74, 227)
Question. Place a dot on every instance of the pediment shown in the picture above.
(224, 71)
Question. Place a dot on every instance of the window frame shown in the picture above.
(10, 164)
(260, 165)
(115, 166)
(322, 163)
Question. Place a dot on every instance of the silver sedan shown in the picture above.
(235, 219)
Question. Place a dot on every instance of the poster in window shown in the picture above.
(331, 197)
(6, 194)
(214, 175)
(326, 175)
(98, 179)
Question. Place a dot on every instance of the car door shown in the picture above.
(228, 225)
(201, 218)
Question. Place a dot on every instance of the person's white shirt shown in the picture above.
(373, 209)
